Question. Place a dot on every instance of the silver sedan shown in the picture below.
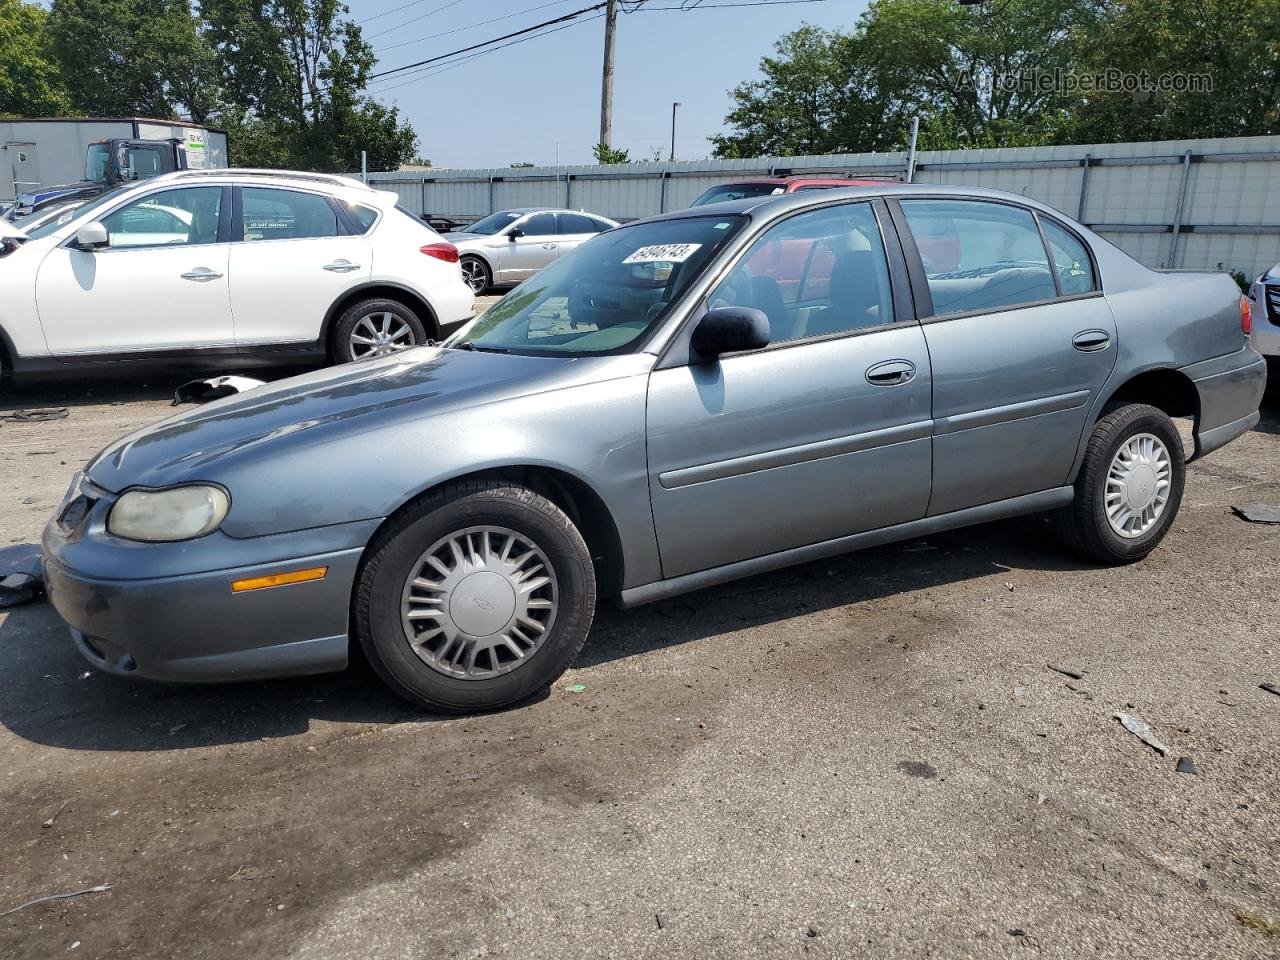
(510, 246)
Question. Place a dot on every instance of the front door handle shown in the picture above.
(548, 246)
(201, 275)
(341, 266)
(1091, 341)
(891, 373)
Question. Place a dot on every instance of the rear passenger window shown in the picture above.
(576, 223)
(1070, 259)
(286, 215)
(978, 255)
(364, 217)
(815, 274)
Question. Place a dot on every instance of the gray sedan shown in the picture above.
(510, 246)
(682, 401)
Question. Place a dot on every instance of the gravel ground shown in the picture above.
(863, 757)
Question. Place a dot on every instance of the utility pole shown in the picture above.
(675, 106)
(606, 83)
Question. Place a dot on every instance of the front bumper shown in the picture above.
(1265, 303)
(150, 610)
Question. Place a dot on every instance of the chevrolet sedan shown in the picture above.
(680, 402)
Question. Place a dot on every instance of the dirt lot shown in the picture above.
(865, 757)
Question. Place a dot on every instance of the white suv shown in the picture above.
(227, 268)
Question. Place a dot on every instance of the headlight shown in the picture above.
(181, 513)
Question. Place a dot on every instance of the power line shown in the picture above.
(477, 46)
(421, 16)
(405, 6)
(481, 23)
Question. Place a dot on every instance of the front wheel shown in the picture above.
(475, 597)
(476, 273)
(375, 328)
(1129, 487)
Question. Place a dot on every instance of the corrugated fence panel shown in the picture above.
(1223, 201)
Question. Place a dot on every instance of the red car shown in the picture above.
(776, 186)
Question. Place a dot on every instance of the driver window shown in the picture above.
(539, 225)
(166, 219)
(815, 274)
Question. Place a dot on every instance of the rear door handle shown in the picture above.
(1091, 341)
(891, 373)
(341, 266)
(201, 275)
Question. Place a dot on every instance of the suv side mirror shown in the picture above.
(93, 236)
(515, 233)
(730, 329)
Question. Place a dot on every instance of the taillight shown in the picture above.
(441, 251)
(1246, 316)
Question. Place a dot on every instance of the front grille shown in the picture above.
(1272, 294)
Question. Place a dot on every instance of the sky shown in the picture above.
(539, 101)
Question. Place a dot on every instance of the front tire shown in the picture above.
(476, 597)
(375, 328)
(477, 274)
(1129, 487)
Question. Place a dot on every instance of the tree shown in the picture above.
(607, 154)
(295, 75)
(1234, 44)
(828, 91)
(30, 83)
(134, 57)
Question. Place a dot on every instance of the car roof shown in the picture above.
(773, 206)
(791, 181)
(524, 210)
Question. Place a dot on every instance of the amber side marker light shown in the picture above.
(278, 580)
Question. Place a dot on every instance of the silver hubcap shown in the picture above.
(379, 334)
(479, 602)
(1138, 485)
(474, 273)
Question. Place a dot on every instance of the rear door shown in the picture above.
(292, 258)
(573, 230)
(823, 434)
(1021, 341)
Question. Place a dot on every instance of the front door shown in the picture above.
(823, 434)
(290, 240)
(536, 247)
(160, 285)
(1021, 342)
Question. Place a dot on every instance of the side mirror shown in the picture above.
(730, 329)
(93, 236)
(515, 233)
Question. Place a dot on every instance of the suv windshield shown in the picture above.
(738, 191)
(493, 223)
(606, 295)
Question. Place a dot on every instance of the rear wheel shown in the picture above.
(375, 328)
(476, 597)
(477, 274)
(1129, 488)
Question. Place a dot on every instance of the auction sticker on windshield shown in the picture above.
(669, 252)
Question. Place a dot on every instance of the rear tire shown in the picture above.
(375, 328)
(1129, 487)
(477, 274)
(475, 597)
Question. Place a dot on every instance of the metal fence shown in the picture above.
(1186, 204)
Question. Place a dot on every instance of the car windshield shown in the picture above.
(96, 160)
(738, 191)
(494, 222)
(605, 296)
(63, 219)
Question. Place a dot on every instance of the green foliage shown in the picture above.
(830, 91)
(607, 154)
(30, 82)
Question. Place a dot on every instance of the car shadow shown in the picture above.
(52, 697)
(117, 387)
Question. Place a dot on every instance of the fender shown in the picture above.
(415, 299)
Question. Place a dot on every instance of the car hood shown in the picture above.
(363, 396)
(470, 239)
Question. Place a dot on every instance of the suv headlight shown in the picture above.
(180, 513)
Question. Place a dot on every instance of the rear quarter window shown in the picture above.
(363, 217)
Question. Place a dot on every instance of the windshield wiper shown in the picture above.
(469, 345)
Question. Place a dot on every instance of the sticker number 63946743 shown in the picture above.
(664, 252)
